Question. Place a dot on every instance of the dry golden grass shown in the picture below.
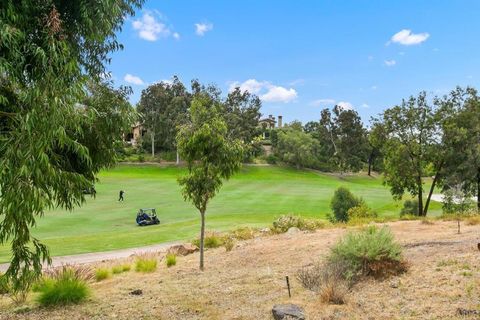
(246, 282)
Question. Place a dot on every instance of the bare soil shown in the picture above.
(443, 282)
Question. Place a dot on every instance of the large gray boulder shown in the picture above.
(287, 311)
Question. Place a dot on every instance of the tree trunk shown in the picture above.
(370, 162)
(478, 189)
(420, 196)
(202, 238)
(153, 143)
(432, 188)
(178, 158)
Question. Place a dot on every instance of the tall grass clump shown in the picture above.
(212, 240)
(102, 274)
(369, 252)
(146, 263)
(342, 201)
(65, 286)
(170, 259)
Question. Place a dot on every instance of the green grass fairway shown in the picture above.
(254, 197)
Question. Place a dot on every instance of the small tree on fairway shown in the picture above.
(210, 156)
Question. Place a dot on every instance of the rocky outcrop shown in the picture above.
(183, 249)
(287, 311)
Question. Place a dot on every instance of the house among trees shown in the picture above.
(267, 125)
(137, 131)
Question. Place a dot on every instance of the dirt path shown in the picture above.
(102, 256)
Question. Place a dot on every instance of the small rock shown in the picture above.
(293, 230)
(467, 312)
(136, 292)
(265, 230)
(394, 284)
(183, 249)
(287, 311)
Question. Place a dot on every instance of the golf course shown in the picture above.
(253, 197)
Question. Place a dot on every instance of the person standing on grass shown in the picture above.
(120, 195)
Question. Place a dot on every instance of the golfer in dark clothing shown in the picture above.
(120, 196)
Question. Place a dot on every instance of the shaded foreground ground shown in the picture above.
(245, 283)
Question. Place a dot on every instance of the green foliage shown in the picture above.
(211, 240)
(170, 259)
(285, 222)
(271, 159)
(117, 269)
(126, 267)
(369, 252)
(342, 201)
(4, 284)
(361, 212)
(102, 274)
(410, 207)
(57, 128)
(296, 147)
(65, 288)
(146, 264)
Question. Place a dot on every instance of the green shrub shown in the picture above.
(369, 252)
(65, 288)
(146, 264)
(212, 240)
(285, 222)
(43, 282)
(126, 267)
(102, 274)
(4, 285)
(117, 269)
(410, 207)
(141, 158)
(271, 159)
(361, 212)
(342, 201)
(171, 259)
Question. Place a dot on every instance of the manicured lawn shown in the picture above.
(253, 197)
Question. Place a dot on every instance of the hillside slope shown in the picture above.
(245, 283)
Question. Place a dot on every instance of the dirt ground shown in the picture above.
(444, 276)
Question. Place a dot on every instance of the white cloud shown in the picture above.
(345, 105)
(319, 102)
(390, 63)
(297, 82)
(202, 28)
(364, 105)
(176, 35)
(407, 38)
(374, 87)
(266, 91)
(150, 29)
(133, 79)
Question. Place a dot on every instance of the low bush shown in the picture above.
(117, 269)
(285, 222)
(472, 220)
(361, 212)
(271, 159)
(342, 201)
(102, 274)
(228, 243)
(146, 263)
(41, 283)
(170, 259)
(327, 280)
(410, 207)
(65, 286)
(212, 240)
(369, 252)
(244, 233)
(126, 267)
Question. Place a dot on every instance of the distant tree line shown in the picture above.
(437, 137)
(164, 108)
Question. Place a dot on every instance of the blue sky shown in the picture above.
(303, 56)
